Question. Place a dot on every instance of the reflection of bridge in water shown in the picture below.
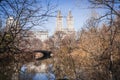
(41, 71)
(38, 69)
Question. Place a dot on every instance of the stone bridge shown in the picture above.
(42, 54)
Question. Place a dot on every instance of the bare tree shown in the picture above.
(112, 8)
(26, 14)
(108, 36)
(19, 16)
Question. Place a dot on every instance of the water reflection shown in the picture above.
(39, 71)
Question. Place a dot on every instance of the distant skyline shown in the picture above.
(79, 9)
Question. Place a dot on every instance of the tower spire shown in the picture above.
(70, 14)
(59, 23)
(70, 26)
(59, 14)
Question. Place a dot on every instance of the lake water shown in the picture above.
(32, 71)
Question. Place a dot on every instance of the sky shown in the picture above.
(79, 9)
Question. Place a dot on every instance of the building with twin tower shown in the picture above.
(69, 29)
